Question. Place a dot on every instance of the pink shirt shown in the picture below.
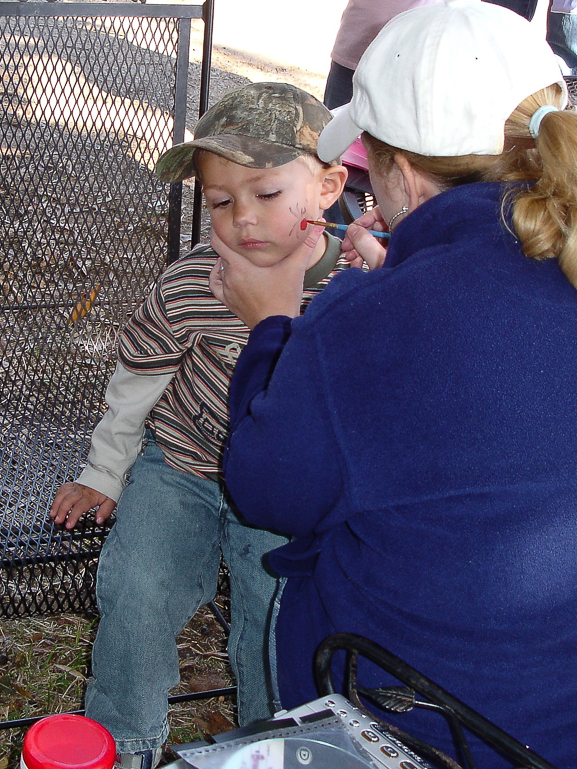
(361, 22)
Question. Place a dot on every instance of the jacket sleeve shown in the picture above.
(281, 463)
(117, 438)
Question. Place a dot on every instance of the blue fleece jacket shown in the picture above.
(416, 433)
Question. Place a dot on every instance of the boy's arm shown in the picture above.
(115, 444)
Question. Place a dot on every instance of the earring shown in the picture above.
(403, 210)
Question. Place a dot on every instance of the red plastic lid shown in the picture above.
(66, 741)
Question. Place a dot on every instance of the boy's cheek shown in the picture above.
(222, 235)
(301, 235)
(221, 231)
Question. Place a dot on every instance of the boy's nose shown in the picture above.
(243, 214)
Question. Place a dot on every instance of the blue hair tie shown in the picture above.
(537, 117)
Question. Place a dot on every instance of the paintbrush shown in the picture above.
(343, 228)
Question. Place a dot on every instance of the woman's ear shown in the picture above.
(332, 181)
(418, 187)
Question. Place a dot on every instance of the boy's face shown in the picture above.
(257, 212)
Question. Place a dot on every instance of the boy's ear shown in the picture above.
(332, 185)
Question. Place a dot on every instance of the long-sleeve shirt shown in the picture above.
(417, 438)
(176, 356)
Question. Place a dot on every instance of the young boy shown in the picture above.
(167, 422)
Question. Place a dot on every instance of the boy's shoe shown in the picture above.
(144, 759)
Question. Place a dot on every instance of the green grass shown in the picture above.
(44, 664)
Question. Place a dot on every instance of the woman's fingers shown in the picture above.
(215, 280)
(364, 247)
(360, 247)
(253, 293)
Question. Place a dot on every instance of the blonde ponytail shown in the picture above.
(545, 214)
(544, 211)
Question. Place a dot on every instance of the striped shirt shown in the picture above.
(182, 329)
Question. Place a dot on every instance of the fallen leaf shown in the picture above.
(217, 723)
(200, 724)
(71, 671)
(84, 305)
(21, 690)
(204, 682)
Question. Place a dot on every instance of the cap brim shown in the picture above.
(338, 135)
(178, 163)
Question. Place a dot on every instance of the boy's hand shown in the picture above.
(359, 246)
(72, 500)
(255, 293)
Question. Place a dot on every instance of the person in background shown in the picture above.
(557, 23)
(167, 420)
(361, 22)
(415, 432)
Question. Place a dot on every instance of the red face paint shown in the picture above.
(304, 225)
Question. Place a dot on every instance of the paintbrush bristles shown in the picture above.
(325, 224)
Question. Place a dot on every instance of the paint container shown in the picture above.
(67, 742)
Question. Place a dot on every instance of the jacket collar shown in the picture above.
(471, 210)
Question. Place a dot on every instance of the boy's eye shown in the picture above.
(219, 203)
(269, 195)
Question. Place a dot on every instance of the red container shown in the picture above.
(67, 742)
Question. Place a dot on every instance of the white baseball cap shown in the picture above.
(441, 80)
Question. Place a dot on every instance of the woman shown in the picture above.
(415, 432)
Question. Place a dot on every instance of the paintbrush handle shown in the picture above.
(378, 234)
(344, 227)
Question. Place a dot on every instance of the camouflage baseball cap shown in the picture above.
(261, 125)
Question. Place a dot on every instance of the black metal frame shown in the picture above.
(397, 699)
(358, 196)
(49, 548)
(25, 723)
(49, 439)
(185, 13)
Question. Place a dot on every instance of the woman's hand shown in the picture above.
(255, 293)
(73, 500)
(359, 246)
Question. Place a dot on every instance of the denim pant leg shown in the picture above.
(159, 564)
(339, 86)
(252, 587)
(562, 37)
(276, 702)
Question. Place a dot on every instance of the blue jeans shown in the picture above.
(159, 564)
(562, 37)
